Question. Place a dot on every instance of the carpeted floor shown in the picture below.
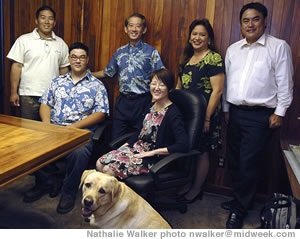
(203, 214)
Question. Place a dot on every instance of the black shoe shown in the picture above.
(184, 200)
(36, 193)
(232, 205)
(66, 204)
(55, 190)
(234, 221)
(229, 205)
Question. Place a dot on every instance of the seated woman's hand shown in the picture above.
(145, 154)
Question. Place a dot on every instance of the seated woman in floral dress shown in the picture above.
(162, 132)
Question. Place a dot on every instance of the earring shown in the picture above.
(190, 41)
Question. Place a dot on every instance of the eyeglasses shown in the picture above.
(159, 85)
(81, 58)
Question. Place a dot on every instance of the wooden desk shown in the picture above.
(292, 178)
(27, 145)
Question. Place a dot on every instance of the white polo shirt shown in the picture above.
(41, 59)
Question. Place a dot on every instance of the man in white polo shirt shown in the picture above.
(37, 57)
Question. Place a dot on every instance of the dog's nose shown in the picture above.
(88, 202)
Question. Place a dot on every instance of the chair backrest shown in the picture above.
(102, 134)
(192, 106)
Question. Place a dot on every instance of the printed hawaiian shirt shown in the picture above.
(134, 65)
(71, 102)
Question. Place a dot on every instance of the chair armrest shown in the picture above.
(100, 129)
(119, 141)
(171, 158)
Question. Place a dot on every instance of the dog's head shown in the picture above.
(99, 192)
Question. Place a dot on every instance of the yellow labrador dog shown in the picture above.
(108, 203)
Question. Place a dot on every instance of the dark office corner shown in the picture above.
(1, 57)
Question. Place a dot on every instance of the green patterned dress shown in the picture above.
(197, 77)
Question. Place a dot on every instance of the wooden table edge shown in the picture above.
(39, 165)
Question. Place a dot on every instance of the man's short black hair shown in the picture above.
(79, 45)
(254, 5)
(43, 8)
(139, 16)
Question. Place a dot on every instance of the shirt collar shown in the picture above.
(138, 44)
(36, 35)
(87, 76)
(261, 41)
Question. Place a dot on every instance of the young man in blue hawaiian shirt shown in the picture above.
(76, 99)
(134, 64)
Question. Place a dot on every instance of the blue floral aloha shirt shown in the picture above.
(73, 102)
(134, 65)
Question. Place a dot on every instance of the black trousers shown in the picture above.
(247, 135)
(129, 113)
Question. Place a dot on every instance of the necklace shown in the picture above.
(195, 59)
(159, 109)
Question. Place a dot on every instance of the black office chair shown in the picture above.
(176, 169)
(101, 139)
(101, 136)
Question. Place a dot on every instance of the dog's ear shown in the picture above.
(84, 175)
(116, 187)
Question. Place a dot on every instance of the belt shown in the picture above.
(250, 108)
(133, 96)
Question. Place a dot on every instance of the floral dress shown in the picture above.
(197, 77)
(122, 161)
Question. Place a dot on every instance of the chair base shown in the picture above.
(164, 203)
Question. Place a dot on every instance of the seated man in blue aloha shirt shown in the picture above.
(76, 99)
(133, 63)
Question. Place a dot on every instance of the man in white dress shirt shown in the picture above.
(258, 91)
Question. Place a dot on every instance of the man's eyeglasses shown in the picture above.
(81, 58)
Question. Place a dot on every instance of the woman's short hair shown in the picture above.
(166, 76)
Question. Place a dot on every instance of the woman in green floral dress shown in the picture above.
(202, 69)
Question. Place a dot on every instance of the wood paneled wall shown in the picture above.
(100, 25)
